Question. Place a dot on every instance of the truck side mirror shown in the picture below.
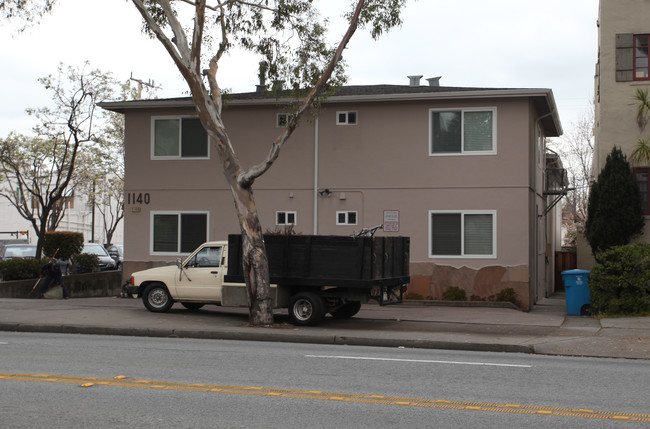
(179, 262)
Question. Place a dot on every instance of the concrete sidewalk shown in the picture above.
(544, 330)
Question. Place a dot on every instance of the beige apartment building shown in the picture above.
(461, 171)
(622, 71)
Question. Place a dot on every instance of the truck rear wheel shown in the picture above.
(156, 298)
(349, 309)
(306, 309)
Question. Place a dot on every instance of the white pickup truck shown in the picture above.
(310, 275)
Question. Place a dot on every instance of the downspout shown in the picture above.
(315, 176)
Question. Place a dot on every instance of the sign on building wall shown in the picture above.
(391, 221)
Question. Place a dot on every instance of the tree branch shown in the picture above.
(247, 177)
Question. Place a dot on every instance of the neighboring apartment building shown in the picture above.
(461, 171)
(78, 217)
(622, 70)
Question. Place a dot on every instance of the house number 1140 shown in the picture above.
(133, 198)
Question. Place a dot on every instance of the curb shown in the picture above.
(267, 336)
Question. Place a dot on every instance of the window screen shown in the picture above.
(165, 233)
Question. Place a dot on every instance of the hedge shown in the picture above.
(620, 281)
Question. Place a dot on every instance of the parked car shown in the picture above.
(105, 260)
(117, 253)
(18, 251)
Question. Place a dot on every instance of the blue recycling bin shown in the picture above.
(576, 287)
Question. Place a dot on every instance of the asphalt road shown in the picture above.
(68, 381)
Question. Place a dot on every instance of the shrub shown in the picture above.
(620, 281)
(507, 295)
(69, 244)
(615, 214)
(414, 296)
(21, 269)
(454, 293)
(86, 263)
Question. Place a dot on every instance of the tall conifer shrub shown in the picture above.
(615, 215)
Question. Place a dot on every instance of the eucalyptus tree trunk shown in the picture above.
(208, 101)
(254, 261)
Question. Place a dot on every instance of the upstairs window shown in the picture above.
(282, 119)
(641, 57)
(462, 132)
(346, 118)
(179, 138)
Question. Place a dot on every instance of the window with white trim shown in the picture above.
(285, 218)
(462, 131)
(346, 118)
(462, 234)
(175, 232)
(282, 119)
(346, 218)
(178, 137)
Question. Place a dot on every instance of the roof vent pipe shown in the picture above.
(261, 87)
(414, 80)
(434, 81)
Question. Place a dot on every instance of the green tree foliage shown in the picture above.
(86, 263)
(620, 282)
(25, 12)
(21, 269)
(615, 214)
(64, 243)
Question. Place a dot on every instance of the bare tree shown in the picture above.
(576, 149)
(102, 167)
(38, 172)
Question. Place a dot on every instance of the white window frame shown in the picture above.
(347, 117)
(286, 215)
(347, 217)
(178, 238)
(463, 152)
(286, 117)
(462, 241)
(180, 140)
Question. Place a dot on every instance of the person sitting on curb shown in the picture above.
(52, 273)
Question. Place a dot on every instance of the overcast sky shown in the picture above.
(475, 43)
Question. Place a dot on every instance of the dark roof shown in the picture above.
(365, 90)
(543, 98)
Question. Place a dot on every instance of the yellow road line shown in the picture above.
(330, 396)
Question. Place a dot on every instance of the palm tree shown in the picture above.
(643, 107)
(641, 154)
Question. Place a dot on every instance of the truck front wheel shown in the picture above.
(156, 298)
(306, 309)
